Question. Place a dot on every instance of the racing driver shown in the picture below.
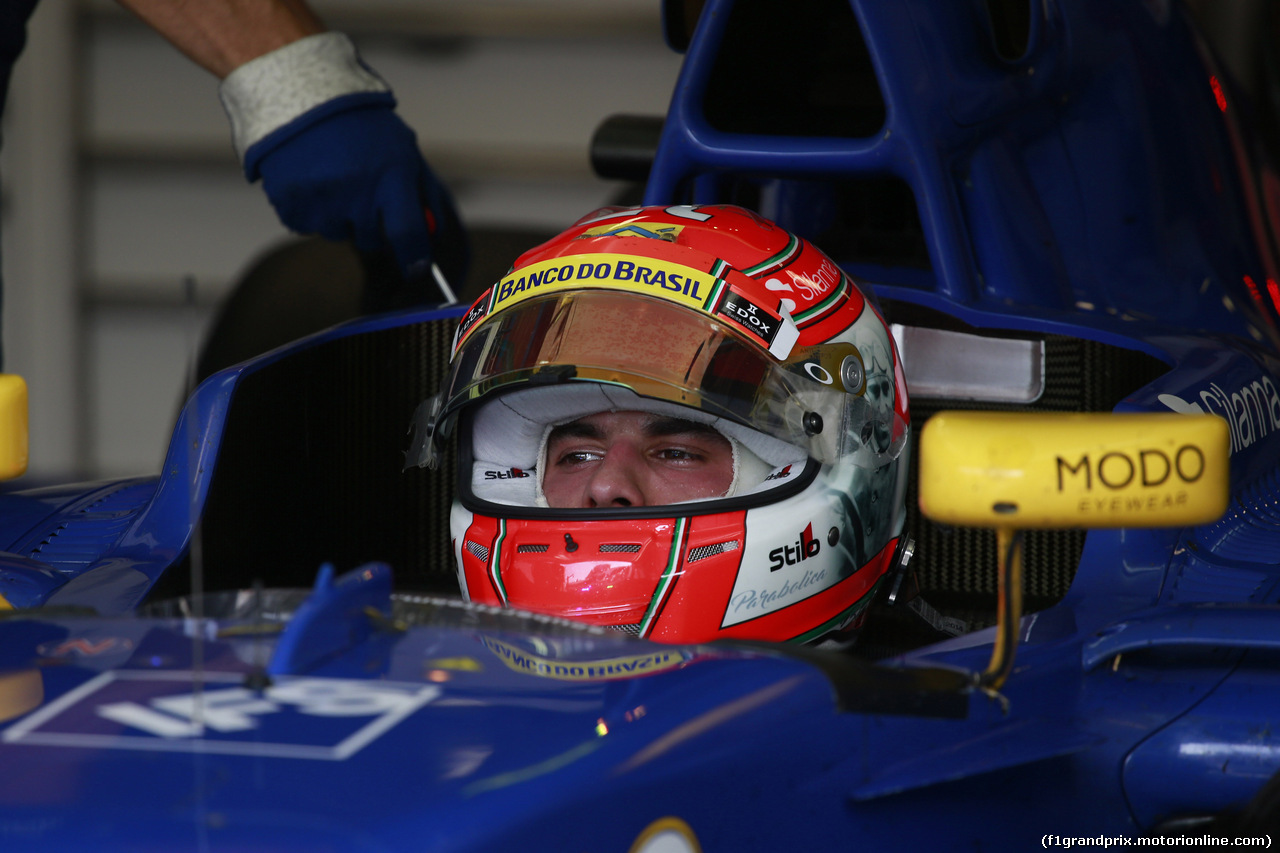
(684, 423)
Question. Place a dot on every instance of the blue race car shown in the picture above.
(1062, 209)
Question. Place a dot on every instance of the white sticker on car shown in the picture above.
(294, 717)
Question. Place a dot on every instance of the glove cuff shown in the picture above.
(266, 94)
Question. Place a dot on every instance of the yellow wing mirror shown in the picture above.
(13, 426)
(1014, 471)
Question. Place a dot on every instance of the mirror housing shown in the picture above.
(1018, 470)
(1049, 470)
(13, 426)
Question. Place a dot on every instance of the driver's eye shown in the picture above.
(574, 457)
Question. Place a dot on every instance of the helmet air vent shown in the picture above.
(702, 552)
(620, 548)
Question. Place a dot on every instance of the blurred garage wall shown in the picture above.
(122, 196)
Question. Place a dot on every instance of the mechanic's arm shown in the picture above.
(319, 127)
(222, 35)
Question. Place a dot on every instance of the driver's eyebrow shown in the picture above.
(575, 429)
(657, 427)
(665, 426)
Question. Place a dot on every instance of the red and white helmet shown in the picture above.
(712, 314)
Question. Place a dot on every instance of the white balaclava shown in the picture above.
(509, 439)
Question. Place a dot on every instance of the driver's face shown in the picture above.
(634, 459)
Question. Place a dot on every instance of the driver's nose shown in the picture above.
(616, 481)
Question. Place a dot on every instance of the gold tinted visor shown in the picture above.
(813, 400)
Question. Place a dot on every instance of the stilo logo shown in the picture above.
(512, 474)
(779, 475)
(789, 555)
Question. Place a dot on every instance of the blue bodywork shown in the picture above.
(1098, 178)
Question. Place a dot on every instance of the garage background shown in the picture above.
(126, 219)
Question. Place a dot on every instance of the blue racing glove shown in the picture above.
(320, 129)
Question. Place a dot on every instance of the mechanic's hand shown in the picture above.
(357, 174)
(321, 131)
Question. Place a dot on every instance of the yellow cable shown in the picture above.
(1009, 608)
